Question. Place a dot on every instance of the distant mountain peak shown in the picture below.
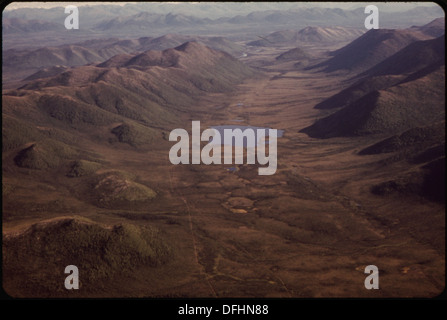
(189, 46)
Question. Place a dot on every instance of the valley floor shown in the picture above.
(307, 231)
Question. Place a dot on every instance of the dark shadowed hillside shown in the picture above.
(398, 108)
(415, 139)
(370, 49)
(293, 54)
(47, 72)
(358, 90)
(414, 57)
(428, 181)
(412, 62)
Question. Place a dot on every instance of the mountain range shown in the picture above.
(399, 100)
(95, 51)
(139, 20)
(389, 102)
(128, 97)
(87, 178)
(308, 35)
(377, 45)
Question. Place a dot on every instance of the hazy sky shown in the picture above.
(17, 5)
(388, 6)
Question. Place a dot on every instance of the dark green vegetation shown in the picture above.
(428, 181)
(413, 140)
(101, 253)
(118, 190)
(135, 135)
(44, 155)
(423, 149)
(81, 168)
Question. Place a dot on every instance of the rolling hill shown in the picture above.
(414, 61)
(434, 28)
(293, 54)
(401, 107)
(358, 90)
(47, 72)
(413, 140)
(95, 51)
(101, 251)
(328, 34)
(126, 99)
(308, 35)
(370, 49)
(414, 57)
(88, 181)
(427, 181)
